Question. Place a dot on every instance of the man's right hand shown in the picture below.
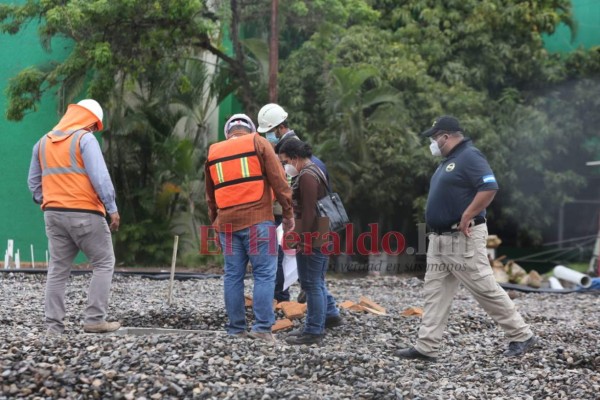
(115, 220)
(288, 224)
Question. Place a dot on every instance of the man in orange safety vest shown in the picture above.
(242, 174)
(69, 179)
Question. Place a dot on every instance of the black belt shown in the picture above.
(478, 220)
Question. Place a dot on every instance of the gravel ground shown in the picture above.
(356, 360)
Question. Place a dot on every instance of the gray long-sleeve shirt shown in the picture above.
(94, 165)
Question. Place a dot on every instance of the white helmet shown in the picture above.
(93, 107)
(270, 116)
(239, 120)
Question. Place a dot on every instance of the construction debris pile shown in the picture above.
(511, 272)
(289, 311)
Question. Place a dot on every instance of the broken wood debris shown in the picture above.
(412, 311)
(281, 325)
(364, 304)
(293, 309)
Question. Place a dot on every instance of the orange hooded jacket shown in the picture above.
(65, 183)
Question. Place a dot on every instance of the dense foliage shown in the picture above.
(360, 79)
(483, 61)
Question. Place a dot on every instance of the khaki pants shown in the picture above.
(452, 259)
(69, 232)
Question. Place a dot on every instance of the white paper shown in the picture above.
(290, 268)
(279, 232)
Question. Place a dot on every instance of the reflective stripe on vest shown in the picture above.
(219, 167)
(65, 183)
(236, 171)
(74, 169)
(245, 168)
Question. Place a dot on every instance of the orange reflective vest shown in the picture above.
(65, 183)
(236, 171)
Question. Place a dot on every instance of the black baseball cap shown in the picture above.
(443, 123)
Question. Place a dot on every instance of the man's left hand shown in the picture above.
(115, 221)
(465, 225)
(288, 224)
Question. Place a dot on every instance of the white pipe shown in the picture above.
(17, 260)
(6, 259)
(569, 275)
(555, 283)
(32, 258)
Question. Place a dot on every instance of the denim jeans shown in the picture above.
(280, 294)
(257, 244)
(321, 304)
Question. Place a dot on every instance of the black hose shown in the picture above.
(523, 288)
(160, 276)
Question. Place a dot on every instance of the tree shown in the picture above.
(360, 79)
(116, 40)
(123, 39)
(482, 61)
(156, 151)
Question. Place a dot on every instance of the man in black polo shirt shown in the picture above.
(461, 188)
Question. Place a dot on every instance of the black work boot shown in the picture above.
(305, 338)
(519, 348)
(332, 322)
(413, 354)
(296, 332)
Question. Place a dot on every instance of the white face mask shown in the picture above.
(290, 170)
(435, 148)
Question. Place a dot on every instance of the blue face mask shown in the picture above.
(271, 137)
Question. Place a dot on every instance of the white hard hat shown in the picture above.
(239, 120)
(270, 116)
(93, 107)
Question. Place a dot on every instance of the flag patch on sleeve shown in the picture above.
(489, 178)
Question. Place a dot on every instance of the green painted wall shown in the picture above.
(587, 19)
(587, 33)
(20, 218)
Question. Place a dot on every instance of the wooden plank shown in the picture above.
(293, 310)
(412, 311)
(370, 306)
(281, 325)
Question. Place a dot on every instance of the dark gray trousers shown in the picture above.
(69, 232)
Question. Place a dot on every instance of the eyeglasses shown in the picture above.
(438, 135)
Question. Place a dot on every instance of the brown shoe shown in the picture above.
(102, 327)
(267, 337)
